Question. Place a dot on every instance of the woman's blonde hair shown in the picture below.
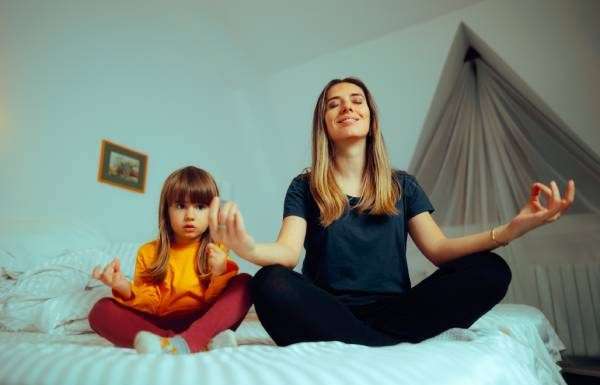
(189, 184)
(379, 191)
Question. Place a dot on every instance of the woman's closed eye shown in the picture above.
(334, 104)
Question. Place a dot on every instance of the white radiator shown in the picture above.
(569, 296)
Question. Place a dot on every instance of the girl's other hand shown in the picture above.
(111, 275)
(217, 260)
(226, 226)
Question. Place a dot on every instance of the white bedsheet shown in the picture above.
(499, 350)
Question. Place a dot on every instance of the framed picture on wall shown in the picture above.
(122, 167)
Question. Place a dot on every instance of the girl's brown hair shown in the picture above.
(380, 190)
(189, 184)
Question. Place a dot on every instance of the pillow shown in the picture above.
(25, 243)
(53, 293)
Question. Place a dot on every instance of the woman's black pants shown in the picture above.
(292, 309)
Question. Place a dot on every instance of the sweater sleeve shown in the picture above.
(218, 284)
(145, 296)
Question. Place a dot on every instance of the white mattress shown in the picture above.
(502, 348)
(44, 309)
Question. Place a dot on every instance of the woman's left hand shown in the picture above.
(227, 227)
(535, 214)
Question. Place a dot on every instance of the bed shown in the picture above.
(45, 339)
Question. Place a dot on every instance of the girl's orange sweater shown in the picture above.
(181, 291)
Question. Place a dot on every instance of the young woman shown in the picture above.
(352, 212)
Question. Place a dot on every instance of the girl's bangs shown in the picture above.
(193, 190)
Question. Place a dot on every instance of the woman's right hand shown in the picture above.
(535, 214)
(226, 226)
(111, 275)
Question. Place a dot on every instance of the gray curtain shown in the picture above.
(477, 165)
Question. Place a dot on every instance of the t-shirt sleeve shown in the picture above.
(416, 199)
(297, 198)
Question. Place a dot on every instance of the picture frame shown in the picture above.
(122, 167)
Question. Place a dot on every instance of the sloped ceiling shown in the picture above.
(273, 34)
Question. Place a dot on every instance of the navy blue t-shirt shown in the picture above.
(359, 257)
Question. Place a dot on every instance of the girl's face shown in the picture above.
(188, 221)
(347, 115)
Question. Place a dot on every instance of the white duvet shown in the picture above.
(41, 311)
(55, 295)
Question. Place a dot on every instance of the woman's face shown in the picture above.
(347, 115)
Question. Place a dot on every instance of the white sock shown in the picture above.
(225, 339)
(150, 343)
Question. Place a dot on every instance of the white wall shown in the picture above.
(146, 75)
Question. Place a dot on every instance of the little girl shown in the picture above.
(185, 290)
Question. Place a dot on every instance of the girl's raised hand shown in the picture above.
(535, 214)
(111, 275)
(227, 227)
